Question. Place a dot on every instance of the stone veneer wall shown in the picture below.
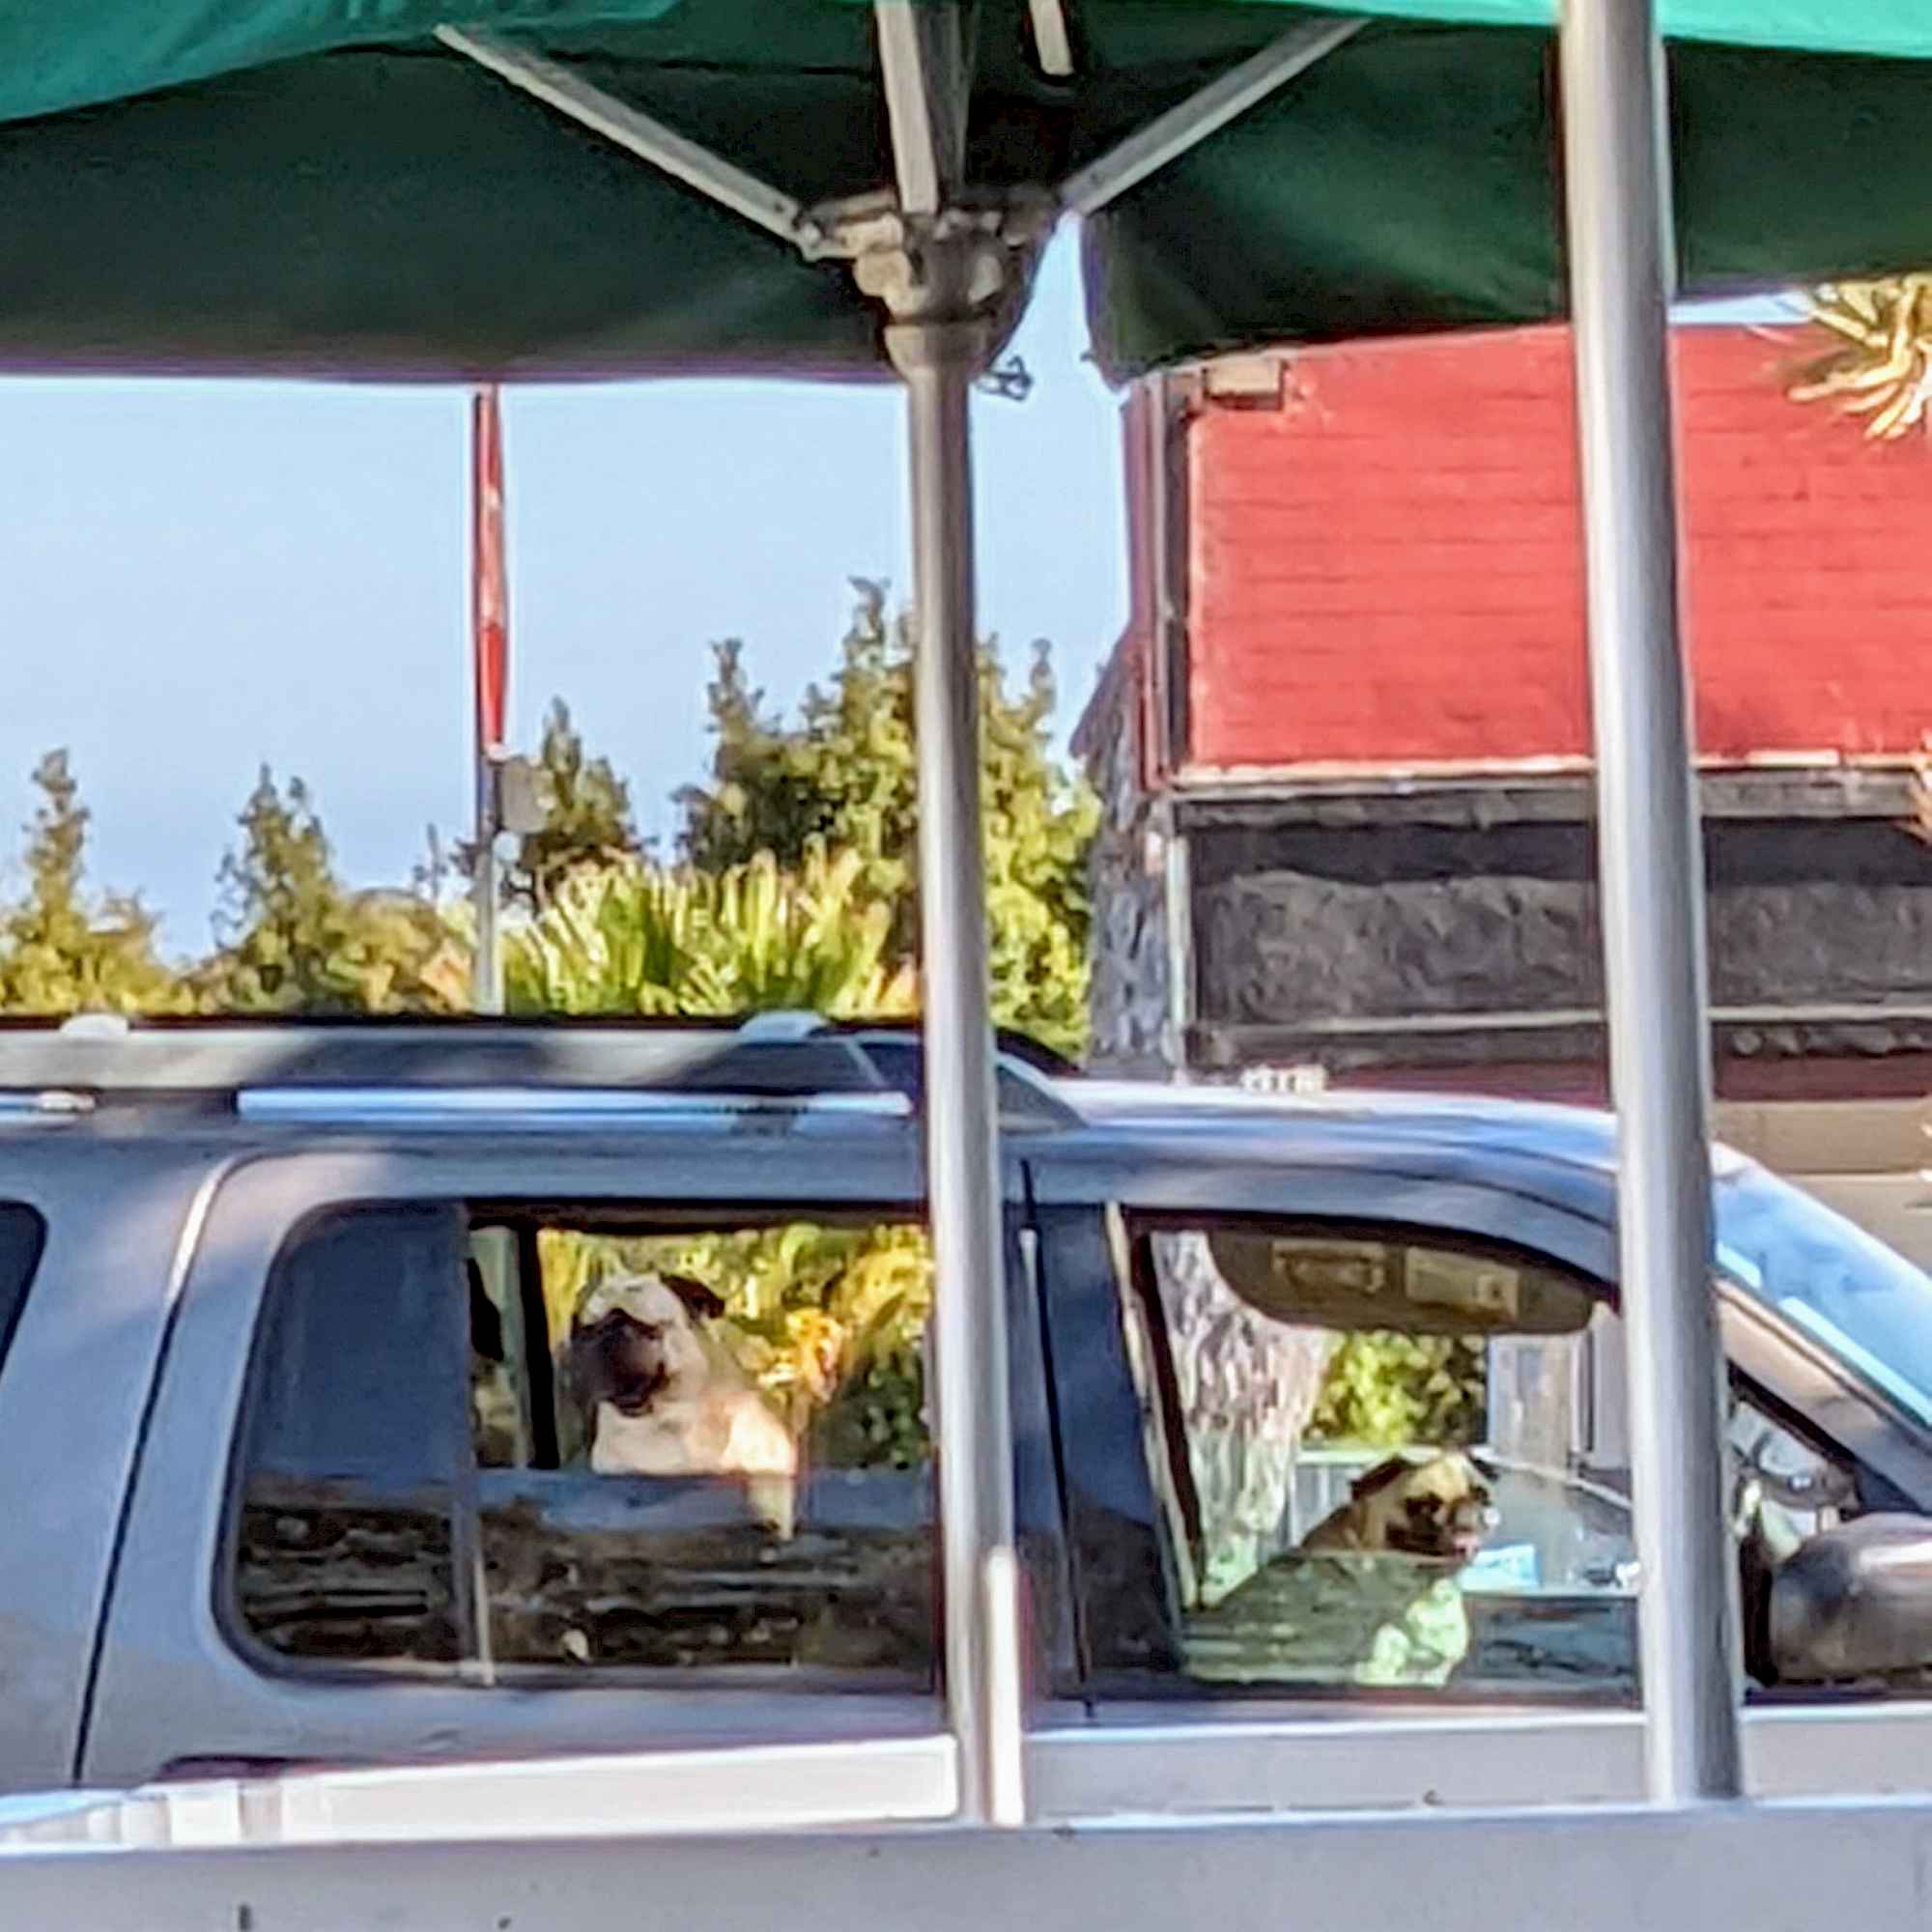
(1304, 923)
(1128, 998)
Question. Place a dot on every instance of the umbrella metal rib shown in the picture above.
(1052, 42)
(922, 63)
(1191, 122)
(636, 132)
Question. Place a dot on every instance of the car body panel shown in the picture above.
(73, 1398)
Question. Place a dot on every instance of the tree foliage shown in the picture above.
(1390, 1391)
(827, 1319)
(294, 939)
(588, 820)
(845, 773)
(1878, 361)
(62, 950)
(638, 938)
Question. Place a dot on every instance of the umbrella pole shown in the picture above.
(1621, 253)
(490, 669)
(486, 978)
(939, 359)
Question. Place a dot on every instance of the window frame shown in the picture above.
(651, 1219)
(1137, 1288)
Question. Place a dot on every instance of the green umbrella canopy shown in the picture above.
(317, 187)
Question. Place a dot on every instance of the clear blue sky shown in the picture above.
(200, 576)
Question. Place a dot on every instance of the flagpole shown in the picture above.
(490, 671)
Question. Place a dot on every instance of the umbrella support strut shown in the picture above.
(1621, 253)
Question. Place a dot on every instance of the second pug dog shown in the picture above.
(1437, 1508)
(1368, 1597)
(663, 1397)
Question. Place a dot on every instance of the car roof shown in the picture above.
(538, 1078)
(1576, 1136)
(1563, 1157)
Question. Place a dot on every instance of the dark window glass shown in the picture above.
(356, 1444)
(23, 1235)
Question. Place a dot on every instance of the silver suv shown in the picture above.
(312, 1458)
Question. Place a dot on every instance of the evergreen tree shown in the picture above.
(61, 951)
(846, 776)
(292, 939)
(588, 822)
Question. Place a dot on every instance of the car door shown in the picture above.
(1208, 1428)
(1224, 1458)
(356, 1539)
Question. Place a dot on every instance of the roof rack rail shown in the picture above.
(775, 1057)
(580, 1106)
(216, 1060)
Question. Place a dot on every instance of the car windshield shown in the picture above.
(1860, 1299)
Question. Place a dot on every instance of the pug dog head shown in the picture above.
(1440, 1508)
(635, 1342)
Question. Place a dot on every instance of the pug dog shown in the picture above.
(1368, 1597)
(1438, 1510)
(664, 1398)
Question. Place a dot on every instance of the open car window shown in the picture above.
(1386, 1464)
(1381, 1458)
(527, 1443)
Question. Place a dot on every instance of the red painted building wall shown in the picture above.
(1385, 569)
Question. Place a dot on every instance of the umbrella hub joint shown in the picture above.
(962, 266)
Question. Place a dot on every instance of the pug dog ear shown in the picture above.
(704, 1303)
(1370, 1481)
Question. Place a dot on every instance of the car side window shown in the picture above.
(1377, 1460)
(353, 1450)
(23, 1235)
(627, 1443)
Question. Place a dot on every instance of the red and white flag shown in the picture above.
(488, 591)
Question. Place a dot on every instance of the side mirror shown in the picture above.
(1853, 1601)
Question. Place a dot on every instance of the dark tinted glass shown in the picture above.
(355, 1440)
(22, 1235)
